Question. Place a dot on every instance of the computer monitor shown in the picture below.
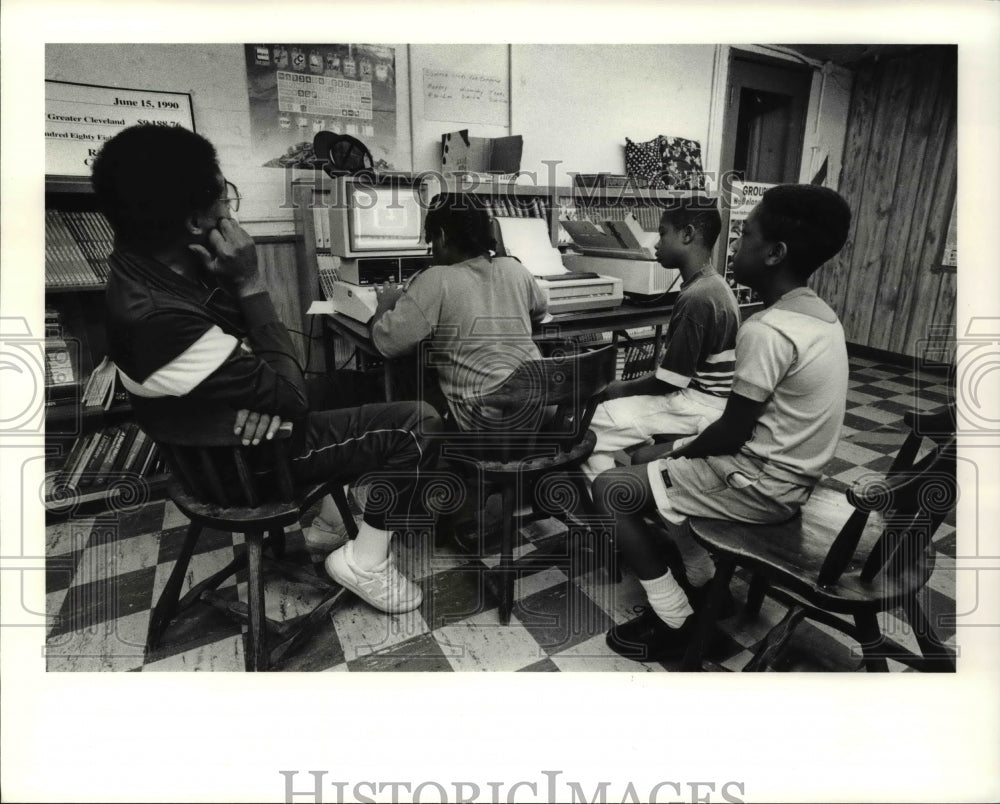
(369, 219)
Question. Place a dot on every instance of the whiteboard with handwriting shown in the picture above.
(466, 97)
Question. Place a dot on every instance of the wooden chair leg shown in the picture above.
(774, 643)
(256, 646)
(705, 620)
(166, 608)
(340, 499)
(506, 573)
(938, 657)
(870, 637)
(756, 594)
(608, 547)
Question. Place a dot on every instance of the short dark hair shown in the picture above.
(811, 221)
(700, 212)
(148, 179)
(464, 219)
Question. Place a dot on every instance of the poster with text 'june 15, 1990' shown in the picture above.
(298, 90)
(80, 118)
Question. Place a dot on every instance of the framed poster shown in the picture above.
(79, 118)
(298, 90)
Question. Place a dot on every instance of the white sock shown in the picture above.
(698, 564)
(371, 548)
(667, 599)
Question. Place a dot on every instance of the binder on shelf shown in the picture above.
(76, 477)
(135, 450)
(130, 430)
(149, 461)
(142, 456)
(104, 470)
(89, 477)
(76, 454)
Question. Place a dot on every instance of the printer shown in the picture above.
(527, 239)
(621, 249)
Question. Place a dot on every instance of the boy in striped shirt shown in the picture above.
(688, 391)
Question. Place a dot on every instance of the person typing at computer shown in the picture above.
(475, 310)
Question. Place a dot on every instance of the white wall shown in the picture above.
(578, 103)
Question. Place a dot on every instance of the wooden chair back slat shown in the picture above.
(211, 477)
(282, 467)
(186, 473)
(552, 400)
(913, 499)
(247, 485)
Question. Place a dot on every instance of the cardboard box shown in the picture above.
(461, 153)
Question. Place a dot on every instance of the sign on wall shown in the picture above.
(466, 97)
(296, 91)
(80, 118)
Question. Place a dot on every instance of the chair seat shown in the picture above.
(791, 554)
(540, 459)
(263, 517)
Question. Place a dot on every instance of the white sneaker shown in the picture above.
(383, 587)
(325, 537)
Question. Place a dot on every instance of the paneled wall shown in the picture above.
(899, 176)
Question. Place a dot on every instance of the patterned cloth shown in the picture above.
(665, 163)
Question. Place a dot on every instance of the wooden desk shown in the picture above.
(561, 327)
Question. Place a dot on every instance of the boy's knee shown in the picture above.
(618, 491)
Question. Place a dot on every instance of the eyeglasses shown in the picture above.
(232, 197)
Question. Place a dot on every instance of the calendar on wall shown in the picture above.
(299, 90)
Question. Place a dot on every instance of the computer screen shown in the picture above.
(385, 218)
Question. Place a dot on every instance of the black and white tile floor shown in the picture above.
(104, 574)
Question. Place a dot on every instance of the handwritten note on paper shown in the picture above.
(465, 97)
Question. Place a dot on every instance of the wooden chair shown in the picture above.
(878, 559)
(544, 411)
(214, 485)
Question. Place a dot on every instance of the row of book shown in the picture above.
(530, 207)
(77, 245)
(99, 457)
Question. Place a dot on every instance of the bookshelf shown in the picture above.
(96, 457)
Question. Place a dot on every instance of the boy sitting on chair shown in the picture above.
(198, 344)
(689, 389)
(760, 461)
(477, 310)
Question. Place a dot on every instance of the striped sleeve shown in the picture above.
(183, 373)
(173, 353)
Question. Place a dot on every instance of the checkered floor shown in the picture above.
(104, 575)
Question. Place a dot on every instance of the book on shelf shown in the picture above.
(77, 453)
(135, 450)
(129, 431)
(77, 245)
(89, 477)
(74, 476)
(95, 458)
(101, 385)
(65, 263)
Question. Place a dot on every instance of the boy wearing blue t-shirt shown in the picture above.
(760, 461)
